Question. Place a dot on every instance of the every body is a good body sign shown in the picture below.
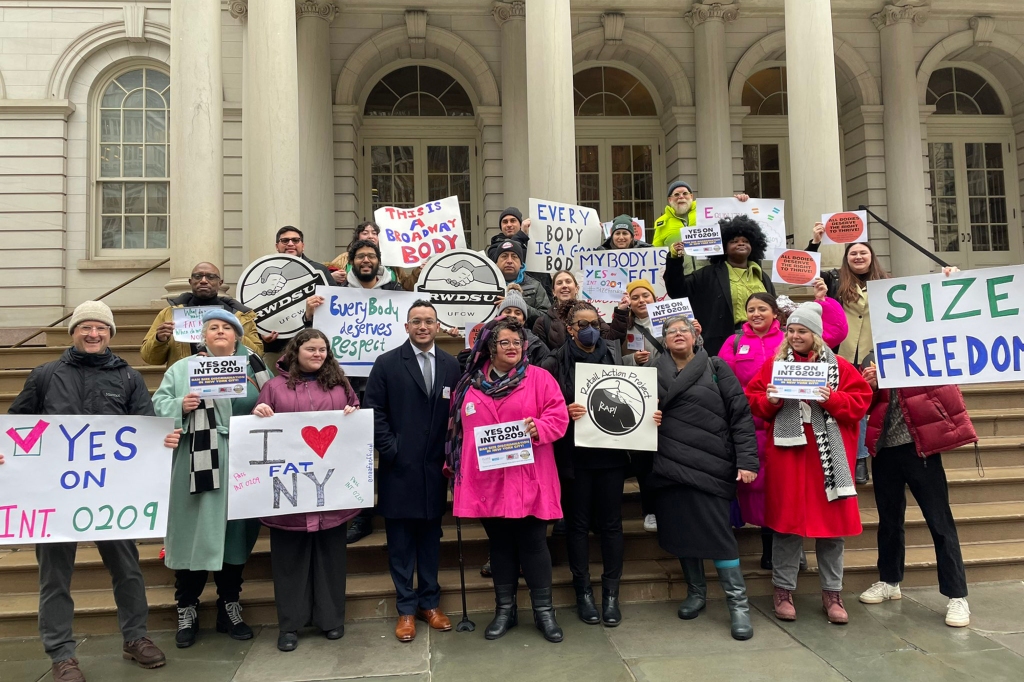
(559, 233)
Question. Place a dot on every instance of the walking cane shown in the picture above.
(465, 625)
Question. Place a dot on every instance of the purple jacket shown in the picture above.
(307, 396)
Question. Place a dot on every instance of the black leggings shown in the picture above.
(519, 542)
(188, 585)
(594, 499)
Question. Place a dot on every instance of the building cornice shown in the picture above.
(899, 12)
(711, 11)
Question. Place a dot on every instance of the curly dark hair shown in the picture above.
(330, 374)
(361, 244)
(361, 226)
(503, 323)
(742, 226)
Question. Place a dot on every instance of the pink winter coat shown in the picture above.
(521, 491)
(746, 356)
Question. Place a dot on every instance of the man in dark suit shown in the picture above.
(409, 390)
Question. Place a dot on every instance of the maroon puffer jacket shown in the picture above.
(936, 417)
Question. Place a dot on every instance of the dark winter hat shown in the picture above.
(513, 246)
(512, 211)
(676, 185)
(622, 222)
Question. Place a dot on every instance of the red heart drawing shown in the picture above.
(319, 439)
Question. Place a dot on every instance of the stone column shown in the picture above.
(552, 129)
(316, 128)
(272, 107)
(711, 95)
(815, 170)
(239, 9)
(196, 139)
(901, 125)
(515, 150)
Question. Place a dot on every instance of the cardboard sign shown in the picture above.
(297, 462)
(604, 275)
(83, 478)
(931, 330)
(799, 268)
(558, 234)
(800, 380)
(659, 311)
(702, 240)
(276, 288)
(363, 324)
(463, 285)
(845, 227)
(188, 323)
(503, 445)
(620, 403)
(770, 214)
(412, 236)
(213, 377)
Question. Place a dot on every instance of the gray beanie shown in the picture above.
(514, 299)
(809, 315)
(95, 311)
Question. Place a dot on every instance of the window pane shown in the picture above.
(941, 154)
(113, 96)
(979, 238)
(752, 185)
(437, 159)
(157, 80)
(458, 159)
(769, 157)
(380, 159)
(110, 126)
(405, 190)
(590, 187)
(134, 232)
(946, 210)
(640, 102)
(997, 210)
(134, 100)
(131, 80)
(587, 155)
(622, 187)
(947, 238)
(615, 106)
(407, 106)
(111, 197)
(380, 101)
(946, 104)
(979, 211)
(111, 233)
(156, 126)
(403, 160)
(460, 187)
(771, 187)
(381, 190)
(154, 100)
(456, 103)
(989, 103)
(621, 158)
(437, 187)
(156, 193)
(133, 127)
(593, 106)
(1000, 238)
(750, 161)
(642, 157)
(944, 183)
(110, 160)
(588, 81)
(773, 105)
(976, 182)
(156, 161)
(134, 197)
(996, 185)
(643, 186)
(430, 106)
(966, 105)
(975, 155)
(403, 80)
(156, 235)
(993, 155)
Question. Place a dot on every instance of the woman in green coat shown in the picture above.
(199, 536)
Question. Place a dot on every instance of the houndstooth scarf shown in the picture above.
(204, 458)
(789, 432)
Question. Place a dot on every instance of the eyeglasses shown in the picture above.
(290, 240)
(364, 256)
(583, 324)
(681, 195)
(422, 323)
(510, 343)
(676, 331)
(89, 330)
(208, 276)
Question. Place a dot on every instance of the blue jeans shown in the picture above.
(862, 448)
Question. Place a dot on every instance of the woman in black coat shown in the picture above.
(706, 443)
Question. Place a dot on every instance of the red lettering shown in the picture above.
(390, 211)
(409, 254)
(451, 239)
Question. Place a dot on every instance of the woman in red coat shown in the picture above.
(811, 451)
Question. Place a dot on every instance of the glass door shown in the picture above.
(619, 176)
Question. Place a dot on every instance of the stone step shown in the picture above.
(995, 484)
(998, 422)
(996, 451)
(13, 380)
(994, 396)
(32, 356)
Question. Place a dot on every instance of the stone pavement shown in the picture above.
(903, 640)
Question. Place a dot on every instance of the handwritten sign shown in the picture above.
(188, 323)
(845, 227)
(411, 236)
(799, 380)
(799, 268)
(620, 403)
(83, 478)
(298, 462)
(503, 445)
(702, 240)
(770, 214)
(605, 274)
(559, 233)
(363, 324)
(213, 377)
(659, 311)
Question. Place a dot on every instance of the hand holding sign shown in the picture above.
(796, 267)
(412, 236)
(846, 227)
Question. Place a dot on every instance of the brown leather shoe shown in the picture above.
(405, 631)
(435, 618)
(144, 652)
(67, 671)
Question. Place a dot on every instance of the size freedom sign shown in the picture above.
(932, 330)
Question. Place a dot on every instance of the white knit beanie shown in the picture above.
(97, 311)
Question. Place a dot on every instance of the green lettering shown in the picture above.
(926, 295)
(994, 298)
(964, 283)
(897, 304)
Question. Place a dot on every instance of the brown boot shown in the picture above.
(67, 671)
(784, 607)
(832, 605)
(144, 652)
(405, 630)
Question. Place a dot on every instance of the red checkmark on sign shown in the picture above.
(28, 442)
(319, 439)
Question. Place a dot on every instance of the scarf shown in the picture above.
(204, 456)
(569, 355)
(789, 432)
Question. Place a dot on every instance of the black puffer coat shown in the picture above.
(706, 431)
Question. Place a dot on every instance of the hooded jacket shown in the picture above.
(383, 282)
(666, 231)
(170, 351)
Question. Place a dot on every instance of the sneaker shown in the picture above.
(360, 528)
(785, 609)
(188, 627)
(880, 592)
(67, 671)
(229, 620)
(143, 652)
(651, 523)
(958, 614)
(832, 605)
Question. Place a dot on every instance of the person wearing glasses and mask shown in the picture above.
(680, 212)
(159, 346)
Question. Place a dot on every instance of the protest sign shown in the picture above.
(620, 403)
(702, 240)
(463, 285)
(799, 268)
(504, 445)
(296, 462)
(476, 324)
(83, 478)
(769, 213)
(412, 236)
(845, 227)
(932, 330)
(800, 380)
(363, 324)
(605, 274)
(276, 288)
(188, 323)
(217, 377)
(659, 311)
(558, 234)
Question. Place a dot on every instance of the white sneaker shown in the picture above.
(650, 523)
(880, 592)
(958, 614)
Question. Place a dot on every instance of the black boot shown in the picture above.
(767, 538)
(610, 613)
(506, 612)
(696, 588)
(188, 626)
(544, 614)
(360, 528)
(229, 620)
(862, 471)
(585, 605)
(731, 580)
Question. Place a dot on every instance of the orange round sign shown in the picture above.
(474, 333)
(795, 267)
(843, 228)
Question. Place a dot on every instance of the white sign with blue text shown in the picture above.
(558, 234)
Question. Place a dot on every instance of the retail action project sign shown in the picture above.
(621, 402)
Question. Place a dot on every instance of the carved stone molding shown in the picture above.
(701, 12)
(316, 9)
(614, 24)
(239, 9)
(416, 25)
(506, 11)
(900, 11)
(984, 28)
(135, 23)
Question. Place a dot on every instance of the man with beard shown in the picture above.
(159, 346)
(364, 257)
(680, 212)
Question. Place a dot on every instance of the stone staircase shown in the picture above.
(988, 505)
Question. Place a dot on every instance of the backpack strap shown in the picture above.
(43, 384)
(736, 342)
(647, 335)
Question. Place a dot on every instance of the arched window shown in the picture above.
(765, 92)
(132, 160)
(961, 91)
(607, 91)
(418, 91)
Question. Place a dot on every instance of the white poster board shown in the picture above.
(213, 377)
(463, 285)
(276, 288)
(845, 227)
(660, 311)
(800, 380)
(620, 402)
(504, 445)
(299, 462)
(188, 323)
(558, 234)
(412, 236)
(83, 478)
(702, 240)
(770, 214)
(799, 268)
(603, 275)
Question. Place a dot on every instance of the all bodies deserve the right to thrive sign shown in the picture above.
(931, 330)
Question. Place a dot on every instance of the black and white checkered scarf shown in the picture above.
(204, 460)
(789, 432)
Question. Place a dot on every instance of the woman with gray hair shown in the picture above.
(706, 443)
